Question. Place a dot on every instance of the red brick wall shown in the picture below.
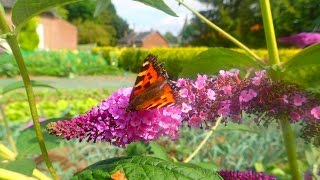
(58, 34)
(154, 40)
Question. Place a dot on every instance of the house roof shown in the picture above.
(7, 3)
(135, 37)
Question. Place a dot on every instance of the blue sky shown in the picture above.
(144, 18)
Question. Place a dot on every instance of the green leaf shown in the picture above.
(17, 85)
(141, 167)
(160, 5)
(207, 165)
(101, 6)
(23, 10)
(215, 59)
(236, 127)
(27, 143)
(304, 67)
(308, 56)
(23, 166)
(159, 151)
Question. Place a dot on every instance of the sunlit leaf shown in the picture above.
(101, 6)
(160, 5)
(304, 68)
(23, 10)
(142, 167)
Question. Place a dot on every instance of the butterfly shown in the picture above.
(152, 88)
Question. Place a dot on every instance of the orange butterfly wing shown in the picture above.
(152, 88)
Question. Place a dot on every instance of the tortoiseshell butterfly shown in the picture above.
(152, 88)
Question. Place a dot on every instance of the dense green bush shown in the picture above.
(28, 36)
(130, 59)
(58, 63)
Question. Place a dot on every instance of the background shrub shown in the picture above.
(28, 36)
(130, 59)
(58, 63)
(108, 60)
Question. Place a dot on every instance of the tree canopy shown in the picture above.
(105, 29)
(242, 19)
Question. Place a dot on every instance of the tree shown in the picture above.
(171, 38)
(91, 32)
(108, 22)
(242, 19)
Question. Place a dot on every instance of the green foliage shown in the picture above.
(52, 104)
(242, 19)
(8, 67)
(171, 38)
(174, 59)
(303, 68)
(28, 36)
(23, 166)
(27, 143)
(136, 149)
(23, 10)
(58, 63)
(159, 151)
(140, 167)
(18, 111)
(91, 32)
(104, 28)
(292, 17)
(214, 59)
(160, 5)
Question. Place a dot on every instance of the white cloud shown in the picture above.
(143, 18)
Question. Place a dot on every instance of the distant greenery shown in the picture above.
(53, 104)
(107, 60)
(28, 36)
(130, 59)
(172, 39)
(243, 20)
(105, 29)
(58, 63)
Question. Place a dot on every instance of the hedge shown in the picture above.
(58, 63)
(130, 59)
(108, 60)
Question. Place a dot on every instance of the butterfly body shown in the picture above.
(152, 88)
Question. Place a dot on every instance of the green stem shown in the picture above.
(287, 133)
(269, 32)
(203, 142)
(8, 131)
(217, 28)
(289, 142)
(13, 43)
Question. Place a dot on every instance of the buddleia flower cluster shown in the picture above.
(201, 102)
(110, 122)
(205, 99)
(244, 175)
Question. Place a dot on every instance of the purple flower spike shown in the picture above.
(244, 175)
(110, 122)
(301, 40)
